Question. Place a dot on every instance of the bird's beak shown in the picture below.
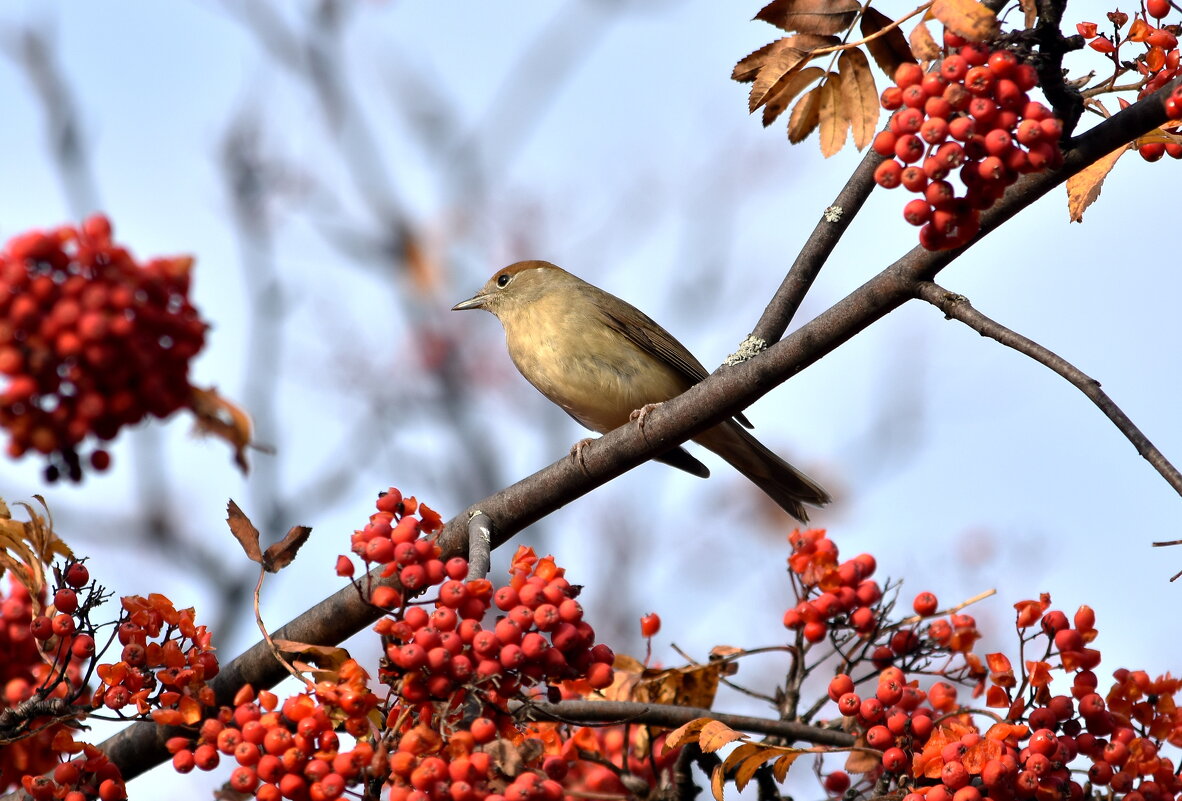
(474, 302)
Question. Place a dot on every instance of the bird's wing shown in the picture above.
(656, 341)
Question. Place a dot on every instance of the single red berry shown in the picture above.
(888, 174)
(894, 760)
(916, 212)
(650, 624)
(926, 603)
(839, 685)
(908, 74)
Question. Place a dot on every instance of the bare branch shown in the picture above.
(957, 307)
(611, 712)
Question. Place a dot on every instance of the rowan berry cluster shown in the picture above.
(165, 664)
(933, 751)
(91, 775)
(27, 677)
(90, 341)
(970, 119)
(843, 594)
(291, 750)
(448, 653)
(446, 728)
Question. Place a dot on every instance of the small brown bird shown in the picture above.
(601, 359)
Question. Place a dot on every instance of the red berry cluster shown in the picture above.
(164, 666)
(935, 752)
(290, 751)
(971, 119)
(92, 775)
(844, 594)
(90, 341)
(541, 638)
(891, 718)
(25, 675)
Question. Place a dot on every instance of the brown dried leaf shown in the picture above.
(805, 116)
(1084, 187)
(280, 554)
(717, 782)
(715, 735)
(889, 50)
(788, 55)
(685, 733)
(834, 124)
(750, 64)
(510, 758)
(860, 96)
(1029, 12)
(326, 657)
(923, 46)
(218, 417)
(860, 759)
(776, 104)
(693, 685)
(724, 657)
(244, 531)
(966, 18)
(810, 16)
(742, 763)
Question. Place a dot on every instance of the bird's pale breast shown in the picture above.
(593, 372)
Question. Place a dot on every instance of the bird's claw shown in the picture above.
(638, 415)
(576, 452)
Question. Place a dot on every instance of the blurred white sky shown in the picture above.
(645, 176)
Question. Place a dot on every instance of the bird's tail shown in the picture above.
(782, 482)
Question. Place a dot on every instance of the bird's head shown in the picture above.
(516, 285)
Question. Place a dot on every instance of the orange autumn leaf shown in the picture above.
(997, 697)
(929, 762)
(976, 757)
(1038, 673)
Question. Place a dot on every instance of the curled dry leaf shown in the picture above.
(281, 553)
(709, 734)
(28, 547)
(861, 758)
(805, 116)
(966, 18)
(923, 45)
(776, 104)
(810, 16)
(218, 417)
(1084, 187)
(328, 658)
(692, 685)
(834, 125)
(859, 95)
(889, 49)
(244, 531)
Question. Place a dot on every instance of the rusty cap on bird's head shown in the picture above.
(489, 293)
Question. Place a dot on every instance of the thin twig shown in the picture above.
(614, 712)
(957, 307)
(981, 596)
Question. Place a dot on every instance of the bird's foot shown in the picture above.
(638, 415)
(576, 452)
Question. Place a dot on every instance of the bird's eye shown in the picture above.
(503, 280)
